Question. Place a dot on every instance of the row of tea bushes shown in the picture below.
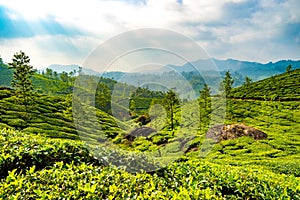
(190, 180)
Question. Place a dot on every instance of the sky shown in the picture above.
(68, 31)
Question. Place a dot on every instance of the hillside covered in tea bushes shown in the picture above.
(48, 168)
(283, 87)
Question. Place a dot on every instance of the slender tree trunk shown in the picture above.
(172, 120)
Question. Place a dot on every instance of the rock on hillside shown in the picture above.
(225, 132)
(138, 132)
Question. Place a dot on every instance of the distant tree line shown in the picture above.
(64, 76)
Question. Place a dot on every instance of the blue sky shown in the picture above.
(66, 32)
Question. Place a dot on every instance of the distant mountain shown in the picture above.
(254, 70)
(209, 71)
(69, 68)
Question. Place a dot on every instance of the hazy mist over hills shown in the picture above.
(254, 70)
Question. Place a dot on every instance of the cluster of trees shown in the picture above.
(172, 102)
(64, 76)
(205, 105)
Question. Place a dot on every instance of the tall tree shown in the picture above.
(226, 84)
(55, 74)
(103, 98)
(49, 72)
(23, 71)
(288, 68)
(64, 77)
(205, 104)
(226, 87)
(205, 94)
(172, 102)
(247, 82)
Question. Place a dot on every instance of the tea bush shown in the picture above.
(190, 180)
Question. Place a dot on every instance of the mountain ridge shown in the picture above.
(254, 70)
(250, 68)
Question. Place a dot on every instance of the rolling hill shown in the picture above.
(5, 74)
(284, 86)
(43, 158)
(50, 116)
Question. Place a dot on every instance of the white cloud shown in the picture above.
(207, 22)
(46, 50)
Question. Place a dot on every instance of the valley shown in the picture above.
(60, 146)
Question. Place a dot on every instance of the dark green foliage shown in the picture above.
(23, 151)
(141, 99)
(288, 68)
(226, 85)
(49, 72)
(247, 82)
(205, 105)
(103, 98)
(5, 74)
(171, 102)
(190, 180)
(64, 77)
(22, 82)
(226, 90)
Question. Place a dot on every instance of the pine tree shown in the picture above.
(64, 77)
(226, 85)
(171, 103)
(22, 83)
(49, 72)
(103, 98)
(288, 69)
(205, 98)
(205, 104)
(247, 82)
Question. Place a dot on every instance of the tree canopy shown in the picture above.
(23, 71)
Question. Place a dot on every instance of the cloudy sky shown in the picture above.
(67, 31)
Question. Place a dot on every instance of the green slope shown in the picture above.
(5, 75)
(51, 86)
(33, 165)
(43, 84)
(50, 116)
(285, 86)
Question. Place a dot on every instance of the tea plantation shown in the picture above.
(44, 155)
(35, 167)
